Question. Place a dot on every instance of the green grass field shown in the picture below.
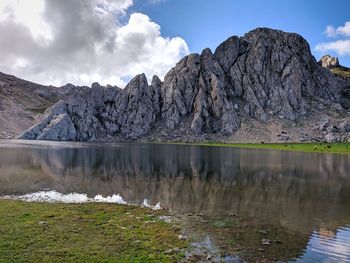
(44, 232)
(343, 148)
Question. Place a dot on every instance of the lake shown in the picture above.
(297, 202)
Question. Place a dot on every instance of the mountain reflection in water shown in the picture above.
(298, 191)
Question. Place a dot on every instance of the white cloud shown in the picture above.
(341, 47)
(331, 31)
(26, 13)
(55, 42)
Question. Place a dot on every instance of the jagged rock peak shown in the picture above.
(95, 85)
(138, 80)
(156, 81)
(329, 62)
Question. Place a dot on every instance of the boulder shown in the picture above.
(328, 61)
(60, 128)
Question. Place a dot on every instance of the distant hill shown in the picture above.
(20, 102)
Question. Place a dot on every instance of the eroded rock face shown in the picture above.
(345, 97)
(97, 112)
(179, 90)
(135, 108)
(263, 74)
(56, 124)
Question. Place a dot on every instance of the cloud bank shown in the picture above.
(341, 46)
(80, 42)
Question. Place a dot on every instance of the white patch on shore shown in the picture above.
(146, 204)
(110, 199)
(73, 198)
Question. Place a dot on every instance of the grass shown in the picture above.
(342, 71)
(341, 148)
(44, 232)
(297, 147)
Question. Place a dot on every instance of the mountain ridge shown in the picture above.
(265, 78)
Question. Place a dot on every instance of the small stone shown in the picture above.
(182, 237)
(266, 242)
(172, 250)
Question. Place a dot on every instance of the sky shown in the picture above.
(110, 41)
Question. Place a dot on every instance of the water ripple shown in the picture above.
(328, 246)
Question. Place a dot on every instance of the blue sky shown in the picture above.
(206, 23)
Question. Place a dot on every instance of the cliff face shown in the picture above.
(264, 75)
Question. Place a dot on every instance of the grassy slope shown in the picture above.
(343, 148)
(42, 232)
(342, 71)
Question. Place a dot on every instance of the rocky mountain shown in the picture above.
(264, 86)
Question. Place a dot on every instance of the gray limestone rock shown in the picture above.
(345, 97)
(55, 124)
(60, 128)
(179, 90)
(330, 137)
(345, 125)
(135, 108)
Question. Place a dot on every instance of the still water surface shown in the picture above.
(305, 194)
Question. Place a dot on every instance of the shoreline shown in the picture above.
(107, 232)
(308, 147)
